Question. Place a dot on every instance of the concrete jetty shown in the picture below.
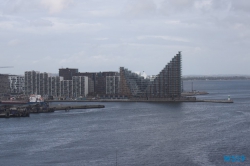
(194, 93)
(216, 101)
(67, 108)
(26, 110)
(188, 99)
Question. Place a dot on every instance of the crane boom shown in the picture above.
(6, 66)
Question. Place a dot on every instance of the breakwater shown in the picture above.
(25, 111)
(194, 93)
(191, 99)
(67, 108)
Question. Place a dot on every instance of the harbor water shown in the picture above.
(136, 133)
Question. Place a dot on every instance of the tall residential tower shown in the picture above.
(167, 84)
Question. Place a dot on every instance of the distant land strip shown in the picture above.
(216, 78)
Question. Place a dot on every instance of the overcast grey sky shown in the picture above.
(141, 35)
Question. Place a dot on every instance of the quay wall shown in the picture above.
(189, 99)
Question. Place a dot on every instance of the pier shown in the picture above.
(26, 110)
(194, 93)
(188, 99)
(8, 111)
(216, 101)
(67, 108)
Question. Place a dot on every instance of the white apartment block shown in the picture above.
(54, 86)
(45, 85)
(66, 88)
(80, 86)
(31, 82)
(36, 83)
(16, 84)
(112, 85)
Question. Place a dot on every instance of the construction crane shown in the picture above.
(6, 66)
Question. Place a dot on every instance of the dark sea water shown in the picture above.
(148, 134)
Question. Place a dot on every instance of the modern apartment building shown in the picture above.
(112, 85)
(54, 86)
(31, 82)
(91, 80)
(167, 84)
(80, 86)
(97, 81)
(132, 84)
(43, 84)
(72, 84)
(100, 86)
(46, 85)
(36, 83)
(16, 83)
(66, 89)
(4, 84)
(67, 73)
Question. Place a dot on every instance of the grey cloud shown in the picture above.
(182, 3)
(19, 6)
(55, 6)
(130, 33)
(139, 8)
(41, 23)
(241, 5)
(14, 42)
(176, 6)
(220, 4)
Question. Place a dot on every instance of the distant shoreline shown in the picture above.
(214, 78)
(127, 100)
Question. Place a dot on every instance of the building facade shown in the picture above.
(4, 84)
(80, 86)
(100, 86)
(31, 82)
(54, 86)
(36, 83)
(43, 84)
(67, 73)
(132, 84)
(167, 84)
(46, 85)
(66, 89)
(97, 81)
(91, 81)
(112, 85)
(16, 83)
